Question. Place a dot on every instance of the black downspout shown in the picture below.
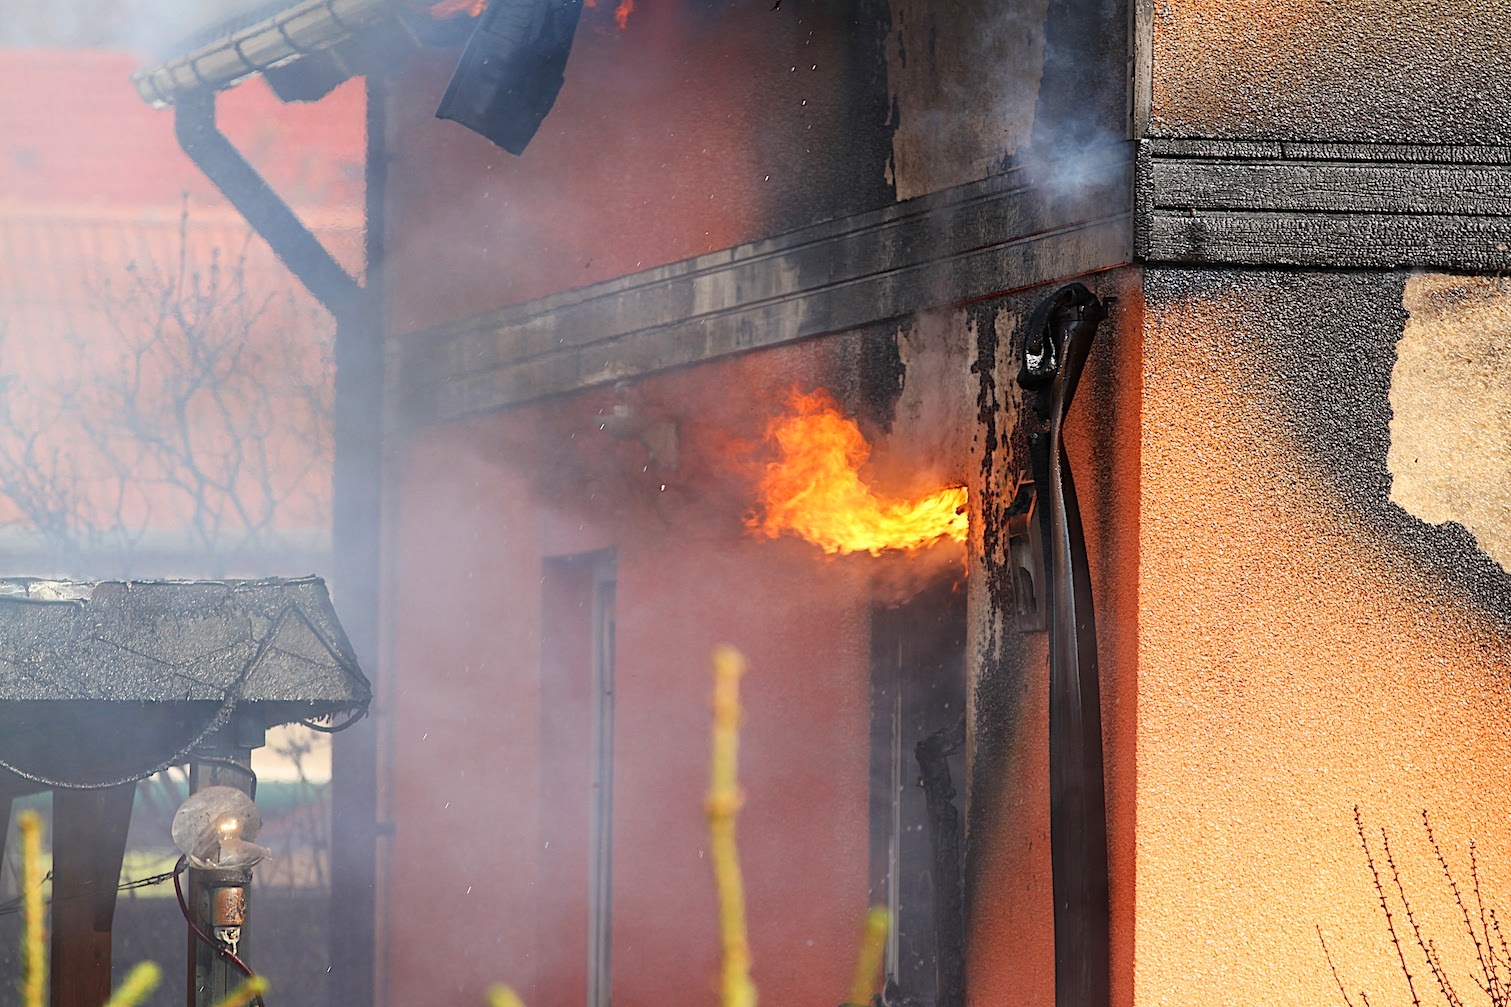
(1058, 341)
(357, 543)
(194, 125)
(356, 484)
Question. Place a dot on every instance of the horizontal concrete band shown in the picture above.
(1324, 204)
(1003, 233)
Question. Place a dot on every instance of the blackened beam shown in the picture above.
(293, 243)
(1055, 349)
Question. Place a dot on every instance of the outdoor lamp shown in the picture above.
(214, 829)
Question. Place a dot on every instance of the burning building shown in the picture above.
(787, 330)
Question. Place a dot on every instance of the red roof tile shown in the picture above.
(74, 131)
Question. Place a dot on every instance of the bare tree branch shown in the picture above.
(195, 405)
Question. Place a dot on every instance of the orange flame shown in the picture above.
(622, 12)
(449, 8)
(473, 8)
(814, 490)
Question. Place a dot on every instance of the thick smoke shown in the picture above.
(144, 28)
(139, 319)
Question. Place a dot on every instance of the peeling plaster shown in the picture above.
(1450, 391)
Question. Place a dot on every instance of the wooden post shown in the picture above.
(88, 844)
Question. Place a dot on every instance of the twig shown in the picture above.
(1326, 953)
(1494, 986)
(34, 985)
(1500, 938)
(873, 946)
(723, 806)
(1390, 922)
(1429, 950)
(1479, 947)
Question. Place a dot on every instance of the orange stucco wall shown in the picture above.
(1293, 664)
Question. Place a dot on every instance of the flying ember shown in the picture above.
(450, 8)
(443, 9)
(814, 489)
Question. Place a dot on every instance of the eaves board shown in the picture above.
(1273, 203)
(1009, 231)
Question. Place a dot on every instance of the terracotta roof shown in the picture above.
(74, 131)
(56, 262)
(92, 184)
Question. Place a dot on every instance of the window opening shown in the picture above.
(601, 832)
(577, 770)
(917, 733)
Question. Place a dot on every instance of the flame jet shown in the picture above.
(814, 489)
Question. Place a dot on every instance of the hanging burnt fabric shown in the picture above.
(512, 69)
(1055, 349)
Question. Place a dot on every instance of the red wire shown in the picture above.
(230, 955)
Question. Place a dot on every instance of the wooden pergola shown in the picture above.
(103, 684)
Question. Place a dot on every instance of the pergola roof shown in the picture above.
(176, 641)
(109, 682)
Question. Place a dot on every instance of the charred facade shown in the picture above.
(730, 204)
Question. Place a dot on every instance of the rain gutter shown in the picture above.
(190, 84)
(304, 28)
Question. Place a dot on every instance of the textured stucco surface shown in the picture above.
(1450, 451)
(1298, 654)
(1430, 71)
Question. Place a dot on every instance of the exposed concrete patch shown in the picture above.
(1450, 391)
